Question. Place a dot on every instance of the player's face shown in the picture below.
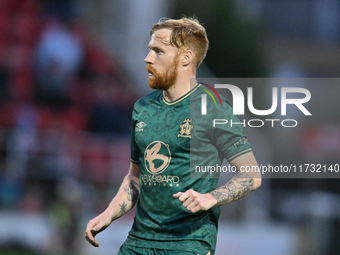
(162, 61)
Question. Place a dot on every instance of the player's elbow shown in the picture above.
(257, 181)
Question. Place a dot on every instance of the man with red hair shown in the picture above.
(176, 214)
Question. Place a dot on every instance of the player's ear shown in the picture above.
(188, 56)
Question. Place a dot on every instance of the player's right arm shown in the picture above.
(123, 202)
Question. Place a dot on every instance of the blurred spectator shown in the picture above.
(63, 9)
(4, 78)
(111, 112)
(59, 56)
(63, 211)
(320, 144)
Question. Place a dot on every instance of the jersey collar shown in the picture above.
(182, 97)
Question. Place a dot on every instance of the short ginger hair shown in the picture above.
(187, 33)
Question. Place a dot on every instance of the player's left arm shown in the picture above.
(239, 186)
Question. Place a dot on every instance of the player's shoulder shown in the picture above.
(151, 98)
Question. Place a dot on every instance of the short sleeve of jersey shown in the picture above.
(134, 148)
(227, 135)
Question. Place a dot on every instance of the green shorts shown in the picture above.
(130, 250)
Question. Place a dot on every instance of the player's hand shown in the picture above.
(95, 226)
(195, 201)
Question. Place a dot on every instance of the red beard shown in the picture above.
(163, 81)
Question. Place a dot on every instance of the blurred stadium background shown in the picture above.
(70, 72)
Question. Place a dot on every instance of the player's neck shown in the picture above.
(179, 89)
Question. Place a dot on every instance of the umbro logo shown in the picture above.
(140, 126)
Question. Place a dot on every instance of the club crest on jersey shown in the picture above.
(185, 128)
(140, 126)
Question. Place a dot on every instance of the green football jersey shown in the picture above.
(169, 140)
